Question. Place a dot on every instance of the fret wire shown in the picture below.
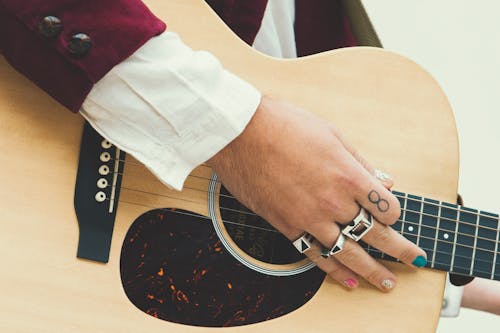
(455, 244)
(474, 246)
(420, 221)
(448, 242)
(375, 251)
(493, 269)
(436, 238)
(449, 207)
(403, 213)
(451, 220)
(449, 231)
(457, 220)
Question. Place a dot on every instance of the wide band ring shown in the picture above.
(304, 242)
(336, 248)
(359, 226)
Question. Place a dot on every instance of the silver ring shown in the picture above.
(382, 176)
(359, 226)
(304, 242)
(336, 248)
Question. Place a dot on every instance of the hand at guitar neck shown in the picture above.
(295, 170)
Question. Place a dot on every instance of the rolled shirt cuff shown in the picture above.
(170, 107)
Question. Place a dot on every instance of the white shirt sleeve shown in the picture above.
(170, 107)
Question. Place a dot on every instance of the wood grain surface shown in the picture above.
(382, 102)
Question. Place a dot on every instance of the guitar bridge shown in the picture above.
(97, 190)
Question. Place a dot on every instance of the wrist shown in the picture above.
(247, 140)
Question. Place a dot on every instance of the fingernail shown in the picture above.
(420, 261)
(388, 284)
(350, 283)
(382, 176)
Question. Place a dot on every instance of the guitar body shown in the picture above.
(382, 102)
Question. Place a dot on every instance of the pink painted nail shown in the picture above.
(350, 283)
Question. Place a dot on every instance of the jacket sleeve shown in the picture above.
(66, 46)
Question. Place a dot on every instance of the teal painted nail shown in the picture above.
(420, 261)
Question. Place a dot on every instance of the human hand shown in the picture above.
(297, 172)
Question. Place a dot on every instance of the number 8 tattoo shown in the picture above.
(382, 204)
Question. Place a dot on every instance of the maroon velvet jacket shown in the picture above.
(320, 25)
(116, 28)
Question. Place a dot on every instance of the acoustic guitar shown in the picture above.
(92, 242)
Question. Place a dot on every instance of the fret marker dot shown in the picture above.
(410, 228)
(446, 236)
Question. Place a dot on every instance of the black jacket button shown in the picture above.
(50, 26)
(79, 44)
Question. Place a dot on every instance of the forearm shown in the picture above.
(482, 295)
(171, 107)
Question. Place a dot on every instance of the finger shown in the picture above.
(332, 267)
(389, 241)
(354, 257)
(359, 261)
(341, 274)
(377, 199)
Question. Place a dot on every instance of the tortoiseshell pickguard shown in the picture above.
(174, 267)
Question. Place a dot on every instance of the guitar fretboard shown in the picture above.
(456, 238)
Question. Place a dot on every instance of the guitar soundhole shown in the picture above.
(253, 234)
(174, 267)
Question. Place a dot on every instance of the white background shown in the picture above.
(458, 42)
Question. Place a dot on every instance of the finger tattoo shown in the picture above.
(382, 204)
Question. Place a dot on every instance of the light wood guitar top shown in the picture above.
(382, 102)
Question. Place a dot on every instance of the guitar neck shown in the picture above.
(457, 239)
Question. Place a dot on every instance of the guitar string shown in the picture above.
(381, 255)
(495, 243)
(475, 271)
(421, 200)
(409, 223)
(404, 196)
(403, 210)
(368, 249)
(442, 218)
